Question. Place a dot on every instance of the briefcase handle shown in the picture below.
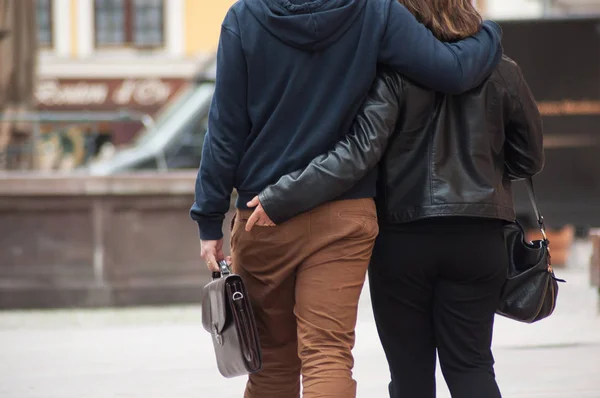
(223, 272)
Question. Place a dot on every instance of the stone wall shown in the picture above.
(98, 241)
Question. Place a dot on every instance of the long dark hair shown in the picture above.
(449, 20)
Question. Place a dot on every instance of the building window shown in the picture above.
(129, 23)
(44, 22)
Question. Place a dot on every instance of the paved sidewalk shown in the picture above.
(165, 353)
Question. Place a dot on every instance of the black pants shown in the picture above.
(435, 285)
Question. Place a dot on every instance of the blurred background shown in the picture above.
(103, 107)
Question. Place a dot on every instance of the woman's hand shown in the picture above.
(259, 216)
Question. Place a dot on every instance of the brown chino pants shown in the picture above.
(304, 278)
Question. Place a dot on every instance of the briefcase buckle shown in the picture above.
(218, 337)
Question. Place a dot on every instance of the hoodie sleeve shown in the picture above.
(452, 68)
(228, 127)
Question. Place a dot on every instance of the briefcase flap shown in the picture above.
(214, 306)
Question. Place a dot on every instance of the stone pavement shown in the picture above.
(165, 353)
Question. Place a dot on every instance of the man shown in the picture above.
(291, 75)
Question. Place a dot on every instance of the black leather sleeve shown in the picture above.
(524, 145)
(330, 175)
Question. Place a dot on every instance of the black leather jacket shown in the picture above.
(446, 155)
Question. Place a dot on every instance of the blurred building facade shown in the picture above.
(116, 38)
(106, 55)
(138, 55)
(529, 9)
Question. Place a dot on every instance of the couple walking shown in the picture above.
(366, 134)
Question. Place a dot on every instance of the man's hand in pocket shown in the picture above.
(259, 216)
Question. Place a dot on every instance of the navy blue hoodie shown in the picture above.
(291, 75)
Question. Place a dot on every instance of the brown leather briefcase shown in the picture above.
(227, 316)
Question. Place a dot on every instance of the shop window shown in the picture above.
(44, 23)
(129, 23)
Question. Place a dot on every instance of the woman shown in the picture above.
(444, 194)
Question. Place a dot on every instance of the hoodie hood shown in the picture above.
(304, 24)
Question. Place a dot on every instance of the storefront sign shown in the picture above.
(105, 94)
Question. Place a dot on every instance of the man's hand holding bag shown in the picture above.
(227, 315)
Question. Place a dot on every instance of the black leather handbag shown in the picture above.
(228, 317)
(531, 288)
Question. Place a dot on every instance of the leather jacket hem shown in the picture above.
(409, 214)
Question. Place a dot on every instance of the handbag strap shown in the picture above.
(540, 220)
(536, 209)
